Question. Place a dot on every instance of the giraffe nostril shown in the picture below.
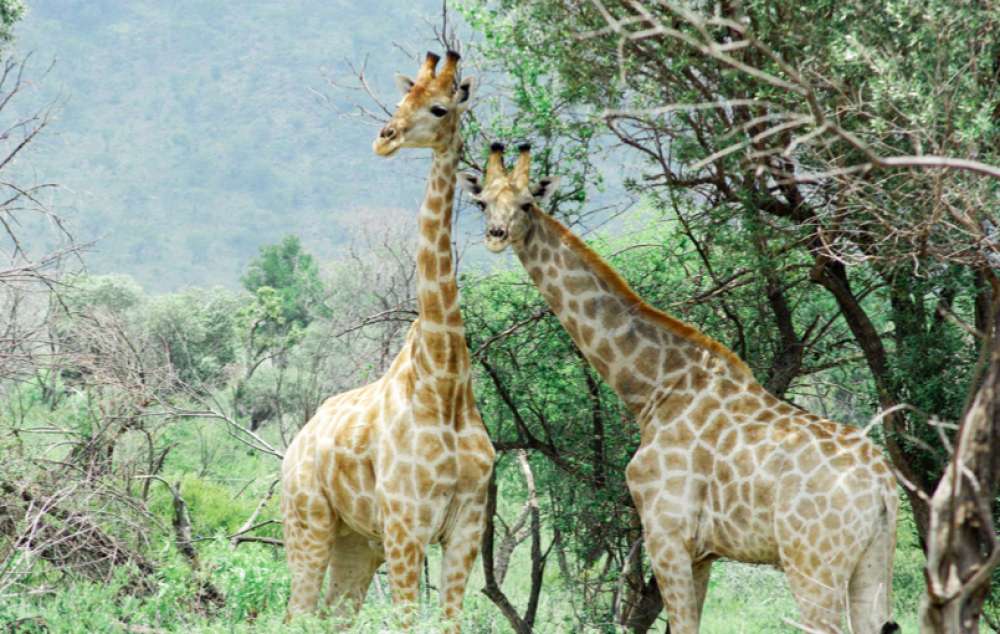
(388, 132)
(497, 232)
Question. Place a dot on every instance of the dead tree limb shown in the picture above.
(207, 593)
(521, 624)
(72, 540)
(962, 549)
(250, 524)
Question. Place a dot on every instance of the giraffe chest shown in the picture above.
(711, 472)
(402, 448)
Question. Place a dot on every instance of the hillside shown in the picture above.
(187, 133)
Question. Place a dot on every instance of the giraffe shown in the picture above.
(383, 470)
(724, 469)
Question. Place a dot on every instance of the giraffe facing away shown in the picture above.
(724, 469)
(384, 470)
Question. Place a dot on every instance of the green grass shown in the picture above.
(222, 482)
(741, 599)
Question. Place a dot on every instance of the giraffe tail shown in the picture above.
(891, 500)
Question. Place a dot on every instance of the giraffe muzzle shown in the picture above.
(388, 141)
(497, 239)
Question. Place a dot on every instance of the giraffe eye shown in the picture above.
(526, 207)
(439, 111)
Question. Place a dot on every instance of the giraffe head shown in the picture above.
(509, 200)
(428, 114)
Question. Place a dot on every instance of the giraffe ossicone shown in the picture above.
(724, 469)
(384, 470)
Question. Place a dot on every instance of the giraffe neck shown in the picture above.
(635, 348)
(441, 331)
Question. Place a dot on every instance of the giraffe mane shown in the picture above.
(614, 279)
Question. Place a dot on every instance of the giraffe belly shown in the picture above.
(740, 505)
(352, 494)
(738, 530)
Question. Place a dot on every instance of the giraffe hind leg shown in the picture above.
(820, 593)
(870, 587)
(459, 555)
(352, 565)
(308, 544)
(702, 570)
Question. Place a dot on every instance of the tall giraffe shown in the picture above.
(384, 470)
(723, 469)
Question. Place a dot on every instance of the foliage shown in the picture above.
(292, 276)
(11, 11)
(197, 330)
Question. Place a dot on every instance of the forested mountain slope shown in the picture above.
(187, 133)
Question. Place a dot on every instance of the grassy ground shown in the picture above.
(221, 482)
(742, 599)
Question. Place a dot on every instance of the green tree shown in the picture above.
(287, 295)
(11, 11)
(114, 293)
(293, 276)
(197, 329)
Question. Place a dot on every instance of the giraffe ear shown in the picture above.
(470, 183)
(544, 188)
(403, 83)
(464, 93)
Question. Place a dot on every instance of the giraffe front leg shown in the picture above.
(459, 551)
(661, 510)
(675, 576)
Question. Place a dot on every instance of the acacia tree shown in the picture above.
(850, 162)
(287, 295)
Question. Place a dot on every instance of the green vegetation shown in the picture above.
(221, 482)
(221, 479)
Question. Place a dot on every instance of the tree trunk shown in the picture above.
(962, 548)
(646, 609)
(521, 624)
